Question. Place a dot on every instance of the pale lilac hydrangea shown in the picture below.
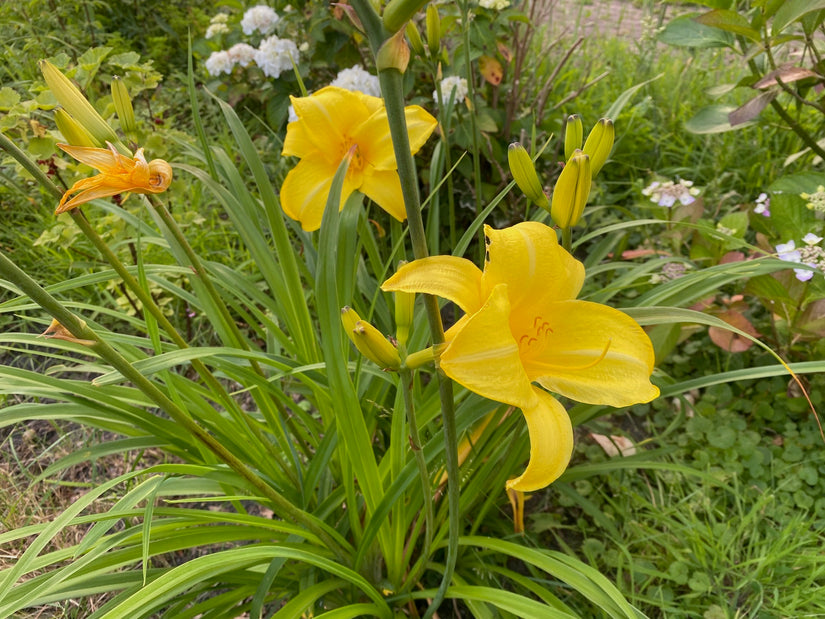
(668, 193)
(763, 205)
(450, 84)
(219, 62)
(811, 255)
(274, 56)
(242, 54)
(259, 18)
(358, 80)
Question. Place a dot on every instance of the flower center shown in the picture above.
(534, 341)
(356, 160)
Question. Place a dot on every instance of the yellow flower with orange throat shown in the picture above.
(334, 124)
(118, 174)
(524, 333)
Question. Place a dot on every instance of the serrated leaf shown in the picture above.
(806, 182)
(789, 217)
(750, 110)
(713, 119)
(729, 21)
(685, 31)
(792, 10)
(127, 60)
(768, 288)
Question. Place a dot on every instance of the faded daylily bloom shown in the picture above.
(332, 124)
(57, 331)
(118, 174)
(523, 325)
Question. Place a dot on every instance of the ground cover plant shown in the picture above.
(361, 310)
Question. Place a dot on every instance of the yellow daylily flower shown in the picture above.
(332, 124)
(118, 174)
(523, 325)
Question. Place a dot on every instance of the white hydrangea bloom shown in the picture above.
(495, 5)
(216, 29)
(448, 85)
(219, 62)
(259, 18)
(292, 115)
(275, 56)
(242, 54)
(357, 80)
(220, 18)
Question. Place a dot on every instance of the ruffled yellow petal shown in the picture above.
(100, 186)
(384, 188)
(374, 141)
(106, 160)
(484, 357)
(325, 119)
(594, 354)
(449, 277)
(306, 189)
(551, 443)
(536, 269)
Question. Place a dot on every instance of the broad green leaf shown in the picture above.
(618, 105)
(8, 98)
(729, 21)
(790, 219)
(714, 119)
(806, 182)
(792, 10)
(685, 31)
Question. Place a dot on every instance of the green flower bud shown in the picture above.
(599, 144)
(399, 12)
(404, 304)
(571, 191)
(414, 37)
(73, 132)
(524, 173)
(68, 95)
(369, 341)
(573, 134)
(433, 29)
(123, 106)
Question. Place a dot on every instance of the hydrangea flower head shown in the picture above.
(494, 5)
(816, 200)
(357, 80)
(219, 62)
(242, 54)
(452, 84)
(274, 56)
(668, 193)
(259, 18)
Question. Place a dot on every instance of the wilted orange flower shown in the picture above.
(118, 174)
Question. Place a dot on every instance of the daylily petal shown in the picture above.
(306, 189)
(484, 357)
(324, 121)
(384, 188)
(374, 140)
(536, 269)
(106, 160)
(551, 443)
(100, 186)
(450, 277)
(594, 354)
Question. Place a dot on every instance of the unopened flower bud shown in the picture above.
(524, 173)
(369, 341)
(571, 191)
(433, 29)
(72, 131)
(394, 53)
(599, 144)
(123, 106)
(573, 134)
(68, 95)
(399, 12)
(414, 37)
(404, 304)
